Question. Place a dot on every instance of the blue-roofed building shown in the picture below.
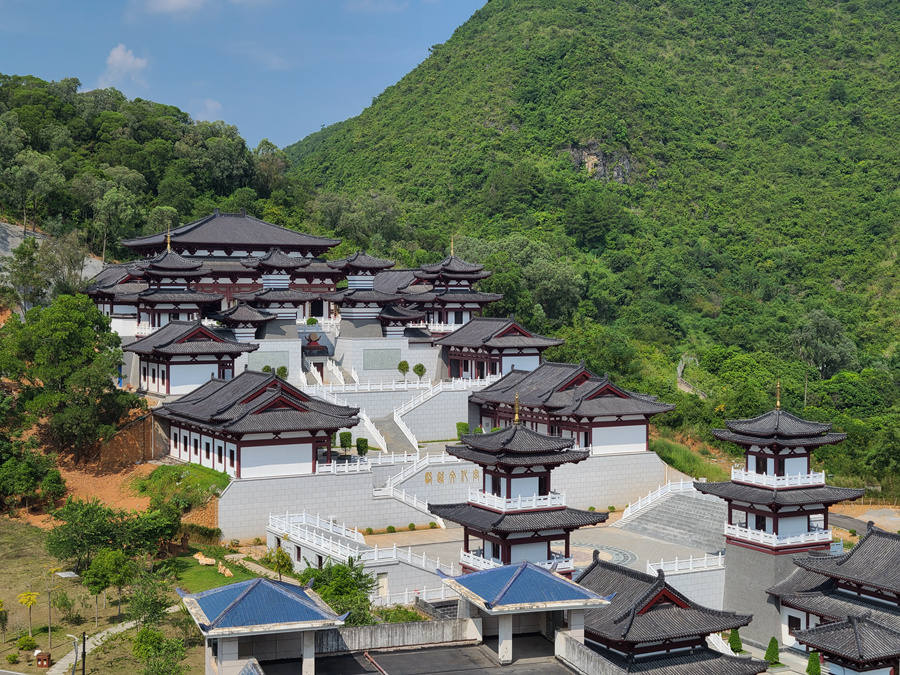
(263, 619)
(516, 598)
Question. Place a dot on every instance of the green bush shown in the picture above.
(411, 527)
(282, 372)
(403, 367)
(493, 429)
(398, 615)
(852, 532)
(419, 370)
(772, 652)
(611, 508)
(369, 530)
(12, 658)
(734, 641)
(312, 321)
(462, 429)
(26, 643)
(362, 446)
(391, 529)
(267, 369)
(682, 458)
(814, 666)
(592, 508)
(432, 525)
(346, 440)
(479, 430)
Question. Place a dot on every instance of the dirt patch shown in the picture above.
(207, 515)
(111, 488)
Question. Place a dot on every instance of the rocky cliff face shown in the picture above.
(607, 166)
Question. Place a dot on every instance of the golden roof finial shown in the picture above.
(451, 244)
(516, 408)
(778, 394)
(168, 236)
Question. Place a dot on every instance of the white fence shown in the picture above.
(690, 564)
(364, 387)
(419, 464)
(335, 371)
(458, 384)
(516, 503)
(478, 562)
(409, 500)
(289, 520)
(312, 370)
(741, 475)
(406, 431)
(408, 596)
(364, 419)
(682, 486)
(771, 539)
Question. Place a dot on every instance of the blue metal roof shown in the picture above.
(525, 583)
(258, 602)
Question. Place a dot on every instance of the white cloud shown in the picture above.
(375, 6)
(208, 109)
(262, 56)
(122, 65)
(174, 6)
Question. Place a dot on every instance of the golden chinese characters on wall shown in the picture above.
(450, 477)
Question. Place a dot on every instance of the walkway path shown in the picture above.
(64, 665)
(256, 568)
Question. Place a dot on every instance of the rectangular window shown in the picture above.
(793, 623)
(153, 375)
(207, 449)
(219, 453)
(196, 446)
(162, 376)
(457, 317)
(297, 555)
(184, 443)
(144, 373)
(231, 457)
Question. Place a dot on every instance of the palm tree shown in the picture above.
(28, 599)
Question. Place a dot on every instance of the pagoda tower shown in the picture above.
(777, 507)
(516, 516)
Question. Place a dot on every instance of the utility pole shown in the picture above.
(83, 650)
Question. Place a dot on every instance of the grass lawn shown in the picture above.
(193, 577)
(114, 656)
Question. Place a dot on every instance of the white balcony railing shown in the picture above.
(143, 330)
(689, 564)
(741, 475)
(477, 562)
(771, 539)
(481, 498)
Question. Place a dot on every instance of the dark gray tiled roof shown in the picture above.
(516, 521)
(874, 561)
(391, 281)
(281, 295)
(824, 494)
(166, 341)
(835, 605)
(517, 439)
(627, 618)
(858, 639)
(542, 388)
(365, 295)
(276, 259)
(398, 313)
(452, 264)
(800, 581)
(224, 405)
(764, 441)
(440, 295)
(484, 331)
(235, 229)
(701, 661)
(244, 313)
(360, 261)
(777, 423)
(512, 459)
(169, 260)
(174, 296)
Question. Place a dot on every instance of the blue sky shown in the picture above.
(276, 68)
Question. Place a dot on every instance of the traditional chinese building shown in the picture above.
(777, 506)
(824, 600)
(516, 516)
(650, 627)
(490, 346)
(566, 399)
(182, 355)
(255, 424)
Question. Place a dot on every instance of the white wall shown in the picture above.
(534, 552)
(632, 437)
(188, 376)
(794, 465)
(523, 487)
(835, 669)
(788, 527)
(276, 460)
(176, 436)
(507, 363)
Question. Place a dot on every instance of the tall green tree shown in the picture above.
(109, 567)
(32, 178)
(22, 279)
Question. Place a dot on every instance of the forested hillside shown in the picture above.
(714, 180)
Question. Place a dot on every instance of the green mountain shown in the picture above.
(711, 170)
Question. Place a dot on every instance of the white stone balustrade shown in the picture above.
(771, 539)
(741, 475)
(481, 498)
(477, 562)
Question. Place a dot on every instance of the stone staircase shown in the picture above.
(394, 438)
(683, 518)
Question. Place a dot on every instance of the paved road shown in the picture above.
(847, 523)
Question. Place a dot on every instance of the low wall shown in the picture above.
(582, 659)
(138, 441)
(397, 635)
(706, 587)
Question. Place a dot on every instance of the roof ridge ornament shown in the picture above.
(778, 394)
(516, 410)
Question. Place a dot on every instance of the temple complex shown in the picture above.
(516, 516)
